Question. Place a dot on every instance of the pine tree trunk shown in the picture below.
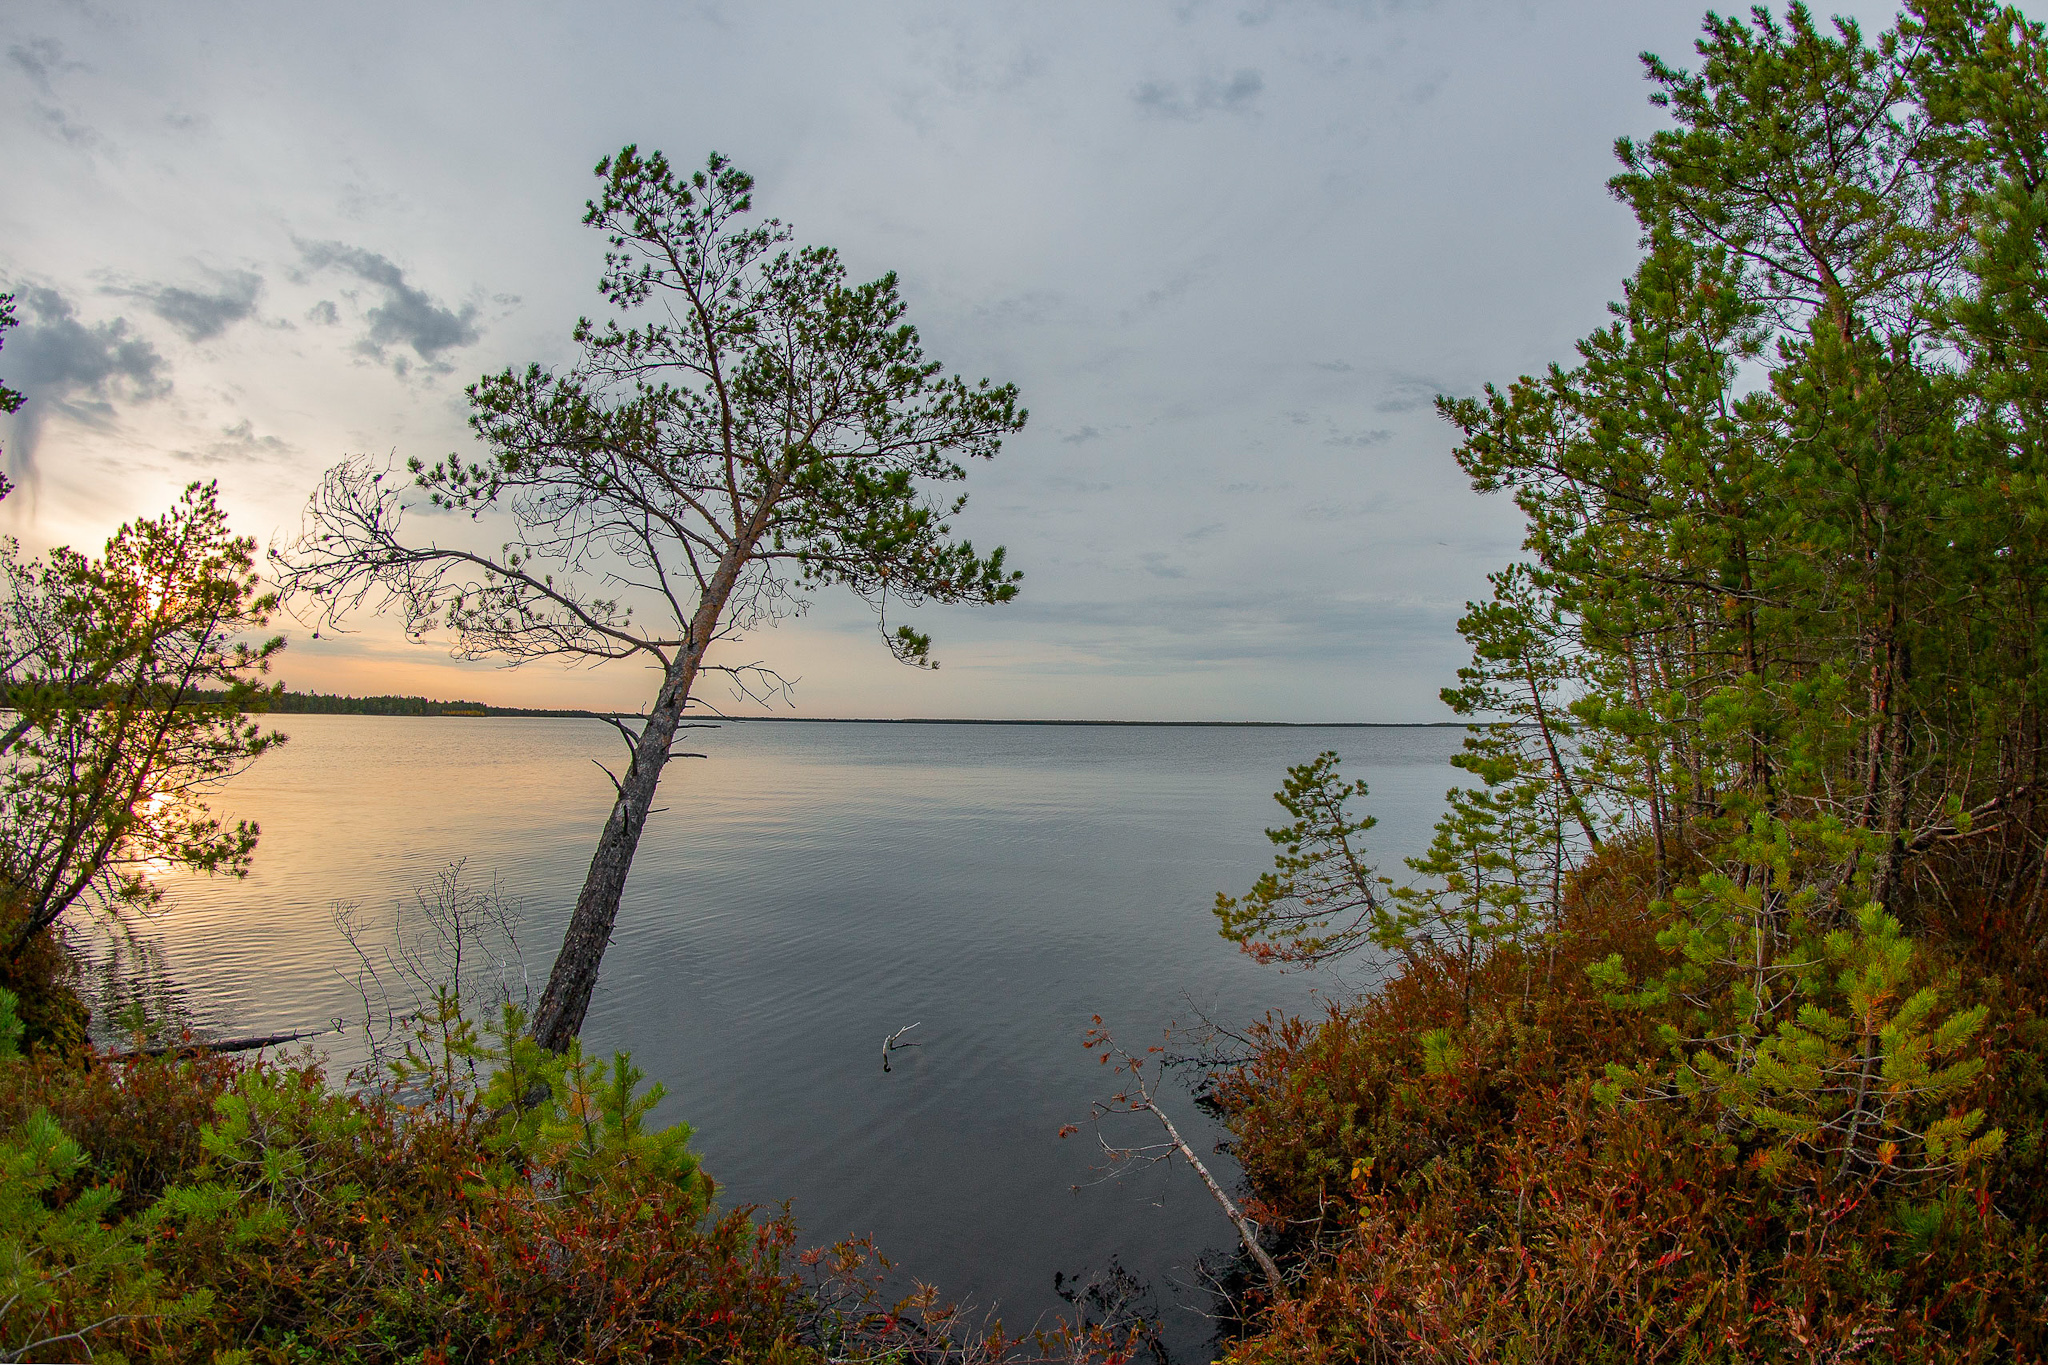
(563, 1004)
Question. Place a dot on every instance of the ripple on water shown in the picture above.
(810, 889)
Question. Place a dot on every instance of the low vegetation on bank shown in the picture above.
(201, 1208)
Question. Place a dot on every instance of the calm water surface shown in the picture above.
(809, 889)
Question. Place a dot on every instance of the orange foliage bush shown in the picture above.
(1454, 1191)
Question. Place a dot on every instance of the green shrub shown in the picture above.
(207, 1208)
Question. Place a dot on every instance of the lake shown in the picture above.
(809, 889)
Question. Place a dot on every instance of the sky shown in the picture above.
(1229, 252)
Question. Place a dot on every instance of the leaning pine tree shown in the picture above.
(748, 425)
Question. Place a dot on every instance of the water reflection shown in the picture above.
(809, 889)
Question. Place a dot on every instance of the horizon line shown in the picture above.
(471, 709)
(997, 720)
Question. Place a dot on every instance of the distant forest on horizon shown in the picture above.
(332, 704)
(290, 703)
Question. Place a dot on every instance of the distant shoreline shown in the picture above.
(316, 703)
(1154, 724)
(520, 713)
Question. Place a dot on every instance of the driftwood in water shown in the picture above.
(890, 1044)
(194, 1048)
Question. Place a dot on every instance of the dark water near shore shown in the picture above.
(809, 889)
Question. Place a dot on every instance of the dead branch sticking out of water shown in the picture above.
(890, 1044)
(1137, 1097)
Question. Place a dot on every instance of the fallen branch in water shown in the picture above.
(890, 1044)
(193, 1047)
(1138, 1098)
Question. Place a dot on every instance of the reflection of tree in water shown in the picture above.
(1230, 1279)
(1224, 1278)
(127, 986)
(453, 946)
(1117, 1299)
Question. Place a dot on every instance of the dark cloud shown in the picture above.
(324, 313)
(238, 444)
(1206, 95)
(1081, 436)
(80, 370)
(1357, 440)
(408, 316)
(42, 59)
(64, 127)
(202, 316)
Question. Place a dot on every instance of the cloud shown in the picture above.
(1193, 624)
(1032, 308)
(1425, 90)
(1175, 287)
(65, 127)
(237, 444)
(408, 316)
(81, 370)
(41, 59)
(324, 313)
(1159, 566)
(1207, 95)
(202, 316)
(1335, 511)
(1357, 440)
(1408, 393)
(1081, 437)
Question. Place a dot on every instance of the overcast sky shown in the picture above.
(1228, 251)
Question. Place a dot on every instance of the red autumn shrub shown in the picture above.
(1456, 1191)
